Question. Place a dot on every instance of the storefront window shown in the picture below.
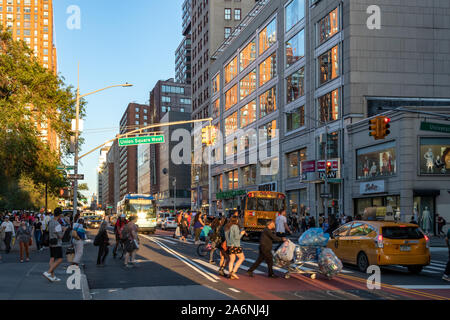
(329, 106)
(328, 26)
(295, 85)
(249, 175)
(230, 97)
(248, 84)
(247, 55)
(231, 70)
(295, 48)
(376, 161)
(328, 65)
(295, 12)
(295, 119)
(268, 36)
(231, 124)
(388, 201)
(248, 114)
(268, 102)
(296, 198)
(294, 160)
(435, 156)
(268, 69)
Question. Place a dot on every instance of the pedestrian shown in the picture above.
(446, 275)
(45, 234)
(131, 238)
(56, 232)
(23, 237)
(440, 224)
(325, 224)
(38, 233)
(333, 224)
(78, 237)
(265, 250)
(282, 225)
(321, 220)
(8, 228)
(198, 226)
(312, 222)
(233, 237)
(215, 238)
(118, 228)
(103, 242)
(205, 233)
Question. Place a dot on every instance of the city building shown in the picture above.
(136, 116)
(32, 22)
(112, 159)
(183, 53)
(295, 85)
(211, 23)
(102, 176)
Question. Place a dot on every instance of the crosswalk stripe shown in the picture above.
(216, 268)
(437, 287)
(435, 268)
(438, 264)
(166, 240)
(430, 271)
(246, 269)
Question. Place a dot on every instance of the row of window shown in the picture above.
(237, 14)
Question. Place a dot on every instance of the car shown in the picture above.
(381, 243)
(169, 223)
(162, 216)
(93, 222)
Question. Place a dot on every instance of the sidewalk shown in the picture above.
(24, 281)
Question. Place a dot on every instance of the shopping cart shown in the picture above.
(302, 256)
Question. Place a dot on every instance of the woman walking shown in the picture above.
(233, 237)
(198, 226)
(23, 236)
(183, 224)
(78, 237)
(132, 242)
(38, 233)
(103, 243)
(222, 245)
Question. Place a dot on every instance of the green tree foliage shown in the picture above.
(31, 94)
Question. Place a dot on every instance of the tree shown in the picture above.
(31, 95)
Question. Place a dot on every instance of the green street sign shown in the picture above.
(437, 127)
(124, 142)
(63, 168)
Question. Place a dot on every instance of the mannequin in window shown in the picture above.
(429, 157)
(373, 170)
(366, 168)
(426, 220)
(440, 164)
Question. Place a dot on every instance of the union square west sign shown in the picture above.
(124, 142)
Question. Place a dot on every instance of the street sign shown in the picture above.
(124, 142)
(326, 195)
(436, 127)
(61, 168)
(75, 176)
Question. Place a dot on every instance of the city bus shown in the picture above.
(143, 207)
(260, 207)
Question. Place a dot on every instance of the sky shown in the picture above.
(118, 42)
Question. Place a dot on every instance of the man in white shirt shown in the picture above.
(8, 228)
(281, 225)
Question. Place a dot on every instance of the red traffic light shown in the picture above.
(387, 120)
(329, 164)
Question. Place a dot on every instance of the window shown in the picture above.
(231, 148)
(329, 106)
(249, 175)
(333, 145)
(237, 14)
(165, 99)
(219, 183)
(247, 55)
(342, 231)
(216, 109)
(268, 69)
(295, 12)
(268, 102)
(360, 230)
(247, 140)
(328, 26)
(231, 70)
(295, 85)
(295, 119)
(295, 48)
(268, 36)
(294, 160)
(269, 170)
(248, 84)
(269, 130)
(233, 180)
(231, 124)
(248, 114)
(227, 32)
(435, 156)
(231, 97)
(216, 84)
(227, 14)
(328, 66)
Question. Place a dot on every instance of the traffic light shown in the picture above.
(374, 128)
(206, 135)
(328, 167)
(384, 132)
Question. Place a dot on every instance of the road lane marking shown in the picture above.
(234, 290)
(166, 240)
(435, 268)
(435, 263)
(185, 260)
(429, 287)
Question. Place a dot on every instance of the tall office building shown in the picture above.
(32, 22)
(212, 22)
(183, 55)
(136, 116)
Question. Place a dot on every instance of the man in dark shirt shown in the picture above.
(265, 249)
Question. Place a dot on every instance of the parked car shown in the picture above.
(169, 223)
(382, 243)
(162, 216)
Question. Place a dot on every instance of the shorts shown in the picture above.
(234, 250)
(56, 252)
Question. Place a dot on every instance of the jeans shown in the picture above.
(8, 237)
(24, 246)
(78, 245)
(38, 238)
(102, 253)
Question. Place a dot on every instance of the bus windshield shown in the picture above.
(262, 204)
(139, 208)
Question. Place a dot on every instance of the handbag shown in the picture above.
(177, 232)
(70, 254)
(30, 243)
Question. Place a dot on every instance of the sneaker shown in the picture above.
(222, 273)
(445, 277)
(21, 261)
(48, 276)
(212, 262)
(55, 279)
(250, 274)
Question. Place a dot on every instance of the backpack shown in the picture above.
(97, 240)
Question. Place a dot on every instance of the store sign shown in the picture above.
(322, 163)
(436, 127)
(230, 194)
(268, 187)
(372, 187)
(308, 166)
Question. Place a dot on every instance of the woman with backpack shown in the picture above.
(198, 226)
(130, 234)
(102, 241)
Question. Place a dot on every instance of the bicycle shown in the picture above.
(205, 249)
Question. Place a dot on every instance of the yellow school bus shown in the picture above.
(261, 207)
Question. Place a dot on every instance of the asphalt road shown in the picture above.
(170, 269)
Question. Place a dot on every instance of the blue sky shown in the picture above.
(119, 41)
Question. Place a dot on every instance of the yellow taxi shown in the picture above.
(382, 243)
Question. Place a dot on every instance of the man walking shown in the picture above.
(56, 232)
(446, 275)
(282, 225)
(8, 228)
(265, 250)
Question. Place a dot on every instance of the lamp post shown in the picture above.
(77, 120)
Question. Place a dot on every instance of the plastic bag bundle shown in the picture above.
(314, 237)
(286, 251)
(305, 254)
(329, 263)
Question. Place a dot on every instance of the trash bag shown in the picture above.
(329, 263)
(286, 251)
(314, 237)
(306, 254)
